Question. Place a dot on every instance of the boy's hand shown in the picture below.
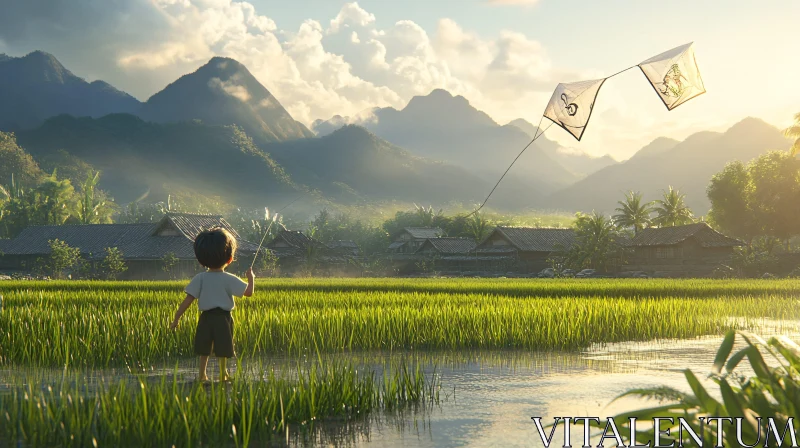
(250, 275)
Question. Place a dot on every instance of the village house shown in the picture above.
(692, 250)
(448, 254)
(143, 246)
(409, 239)
(296, 250)
(522, 249)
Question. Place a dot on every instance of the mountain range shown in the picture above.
(220, 132)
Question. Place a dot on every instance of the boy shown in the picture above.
(214, 291)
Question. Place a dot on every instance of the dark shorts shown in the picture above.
(214, 334)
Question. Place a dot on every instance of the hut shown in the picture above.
(409, 239)
(449, 254)
(692, 250)
(522, 249)
(143, 246)
(297, 251)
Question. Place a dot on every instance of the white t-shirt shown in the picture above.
(215, 290)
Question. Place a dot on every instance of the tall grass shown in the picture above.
(168, 413)
(99, 324)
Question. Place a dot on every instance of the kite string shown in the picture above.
(536, 136)
(255, 256)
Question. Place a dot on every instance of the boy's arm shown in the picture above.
(181, 309)
(251, 283)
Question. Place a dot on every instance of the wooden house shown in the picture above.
(693, 250)
(296, 250)
(523, 249)
(410, 239)
(449, 254)
(143, 246)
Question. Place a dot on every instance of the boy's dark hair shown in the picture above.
(214, 247)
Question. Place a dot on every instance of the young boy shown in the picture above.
(214, 291)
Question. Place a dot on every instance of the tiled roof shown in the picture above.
(448, 245)
(297, 240)
(396, 244)
(533, 239)
(422, 233)
(665, 236)
(135, 241)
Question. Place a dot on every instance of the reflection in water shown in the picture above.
(487, 397)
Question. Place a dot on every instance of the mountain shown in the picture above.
(444, 127)
(576, 161)
(353, 164)
(656, 147)
(223, 92)
(139, 158)
(36, 87)
(687, 166)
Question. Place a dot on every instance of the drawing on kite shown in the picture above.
(673, 85)
(571, 108)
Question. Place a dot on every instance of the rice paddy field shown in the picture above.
(94, 363)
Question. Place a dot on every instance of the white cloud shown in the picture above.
(353, 65)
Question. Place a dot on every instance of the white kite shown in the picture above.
(674, 75)
(571, 105)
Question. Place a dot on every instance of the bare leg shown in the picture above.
(202, 375)
(223, 369)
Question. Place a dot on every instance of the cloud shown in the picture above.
(230, 87)
(343, 66)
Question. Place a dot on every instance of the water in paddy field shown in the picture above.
(487, 398)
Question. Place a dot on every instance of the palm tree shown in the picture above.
(793, 131)
(633, 212)
(478, 227)
(671, 210)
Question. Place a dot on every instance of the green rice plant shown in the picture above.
(102, 324)
(247, 412)
(770, 391)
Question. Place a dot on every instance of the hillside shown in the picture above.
(687, 166)
(36, 87)
(139, 158)
(576, 161)
(353, 164)
(223, 92)
(444, 127)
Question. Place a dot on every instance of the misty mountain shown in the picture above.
(223, 92)
(687, 166)
(444, 127)
(138, 158)
(353, 164)
(578, 162)
(36, 87)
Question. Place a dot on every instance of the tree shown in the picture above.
(793, 131)
(730, 193)
(62, 258)
(168, 263)
(93, 207)
(633, 212)
(17, 163)
(671, 209)
(597, 244)
(113, 263)
(775, 178)
(54, 200)
(478, 227)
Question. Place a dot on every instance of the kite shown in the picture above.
(673, 74)
(571, 105)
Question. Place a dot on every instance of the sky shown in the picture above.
(328, 57)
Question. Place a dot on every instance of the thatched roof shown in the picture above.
(667, 236)
(532, 239)
(174, 233)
